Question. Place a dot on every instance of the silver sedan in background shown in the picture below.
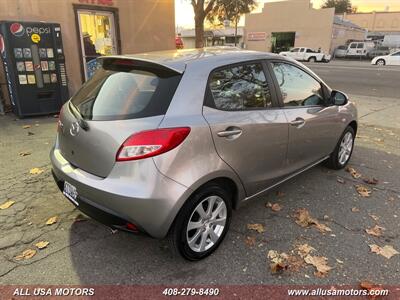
(169, 143)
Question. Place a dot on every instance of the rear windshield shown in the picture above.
(122, 90)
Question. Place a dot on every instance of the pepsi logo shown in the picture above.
(17, 29)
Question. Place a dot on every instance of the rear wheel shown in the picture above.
(343, 150)
(202, 223)
(381, 62)
(312, 59)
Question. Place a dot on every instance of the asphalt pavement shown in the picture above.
(81, 251)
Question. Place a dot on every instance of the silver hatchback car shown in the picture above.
(168, 143)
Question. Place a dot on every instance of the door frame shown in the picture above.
(113, 10)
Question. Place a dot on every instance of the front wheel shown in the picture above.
(381, 62)
(202, 223)
(343, 150)
(312, 59)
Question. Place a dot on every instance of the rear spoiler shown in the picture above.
(127, 64)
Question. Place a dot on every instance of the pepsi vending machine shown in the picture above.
(34, 66)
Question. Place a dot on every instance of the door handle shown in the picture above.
(229, 132)
(298, 122)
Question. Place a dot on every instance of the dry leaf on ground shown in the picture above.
(304, 219)
(375, 231)
(36, 171)
(274, 207)
(52, 220)
(372, 180)
(250, 241)
(257, 227)
(278, 261)
(355, 209)
(340, 180)
(386, 251)
(7, 204)
(27, 254)
(304, 250)
(363, 190)
(353, 172)
(42, 244)
(26, 126)
(375, 218)
(24, 153)
(320, 263)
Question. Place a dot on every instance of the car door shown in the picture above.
(249, 133)
(394, 59)
(301, 54)
(314, 126)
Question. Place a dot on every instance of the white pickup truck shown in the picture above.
(306, 54)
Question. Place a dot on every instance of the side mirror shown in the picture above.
(339, 98)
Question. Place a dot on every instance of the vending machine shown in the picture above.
(34, 65)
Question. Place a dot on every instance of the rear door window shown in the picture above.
(242, 87)
(122, 90)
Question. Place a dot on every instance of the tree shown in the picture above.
(230, 10)
(201, 9)
(341, 6)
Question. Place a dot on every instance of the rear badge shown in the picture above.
(74, 130)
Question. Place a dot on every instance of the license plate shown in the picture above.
(70, 192)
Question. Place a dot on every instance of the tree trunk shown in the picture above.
(199, 30)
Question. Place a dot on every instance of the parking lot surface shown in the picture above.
(82, 251)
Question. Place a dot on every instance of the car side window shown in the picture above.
(240, 88)
(298, 88)
(353, 46)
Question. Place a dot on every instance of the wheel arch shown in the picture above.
(353, 124)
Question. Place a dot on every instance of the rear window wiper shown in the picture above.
(82, 123)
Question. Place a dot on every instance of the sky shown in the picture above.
(184, 10)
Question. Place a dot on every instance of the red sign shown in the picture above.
(256, 36)
(98, 2)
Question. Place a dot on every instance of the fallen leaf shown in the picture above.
(375, 231)
(372, 180)
(339, 261)
(51, 220)
(257, 227)
(304, 250)
(250, 241)
(278, 261)
(26, 126)
(363, 190)
(340, 180)
(355, 209)
(6, 204)
(375, 218)
(353, 172)
(320, 263)
(36, 171)
(304, 219)
(274, 207)
(27, 254)
(24, 153)
(41, 244)
(386, 251)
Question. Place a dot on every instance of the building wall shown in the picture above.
(341, 34)
(145, 25)
(313, 27)
(376, 21)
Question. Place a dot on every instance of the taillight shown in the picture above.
(151, 143)
(59, 123)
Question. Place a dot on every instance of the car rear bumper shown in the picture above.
(134, 192)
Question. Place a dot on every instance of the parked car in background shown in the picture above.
(378, 51)
(306, 54)
(390, 60)
(359, 49)
(340, 51)
(169, 143)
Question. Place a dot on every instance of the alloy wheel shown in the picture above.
(206, 224)
(346, 146)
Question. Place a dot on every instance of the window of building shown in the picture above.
(297, 87)
(240, 88)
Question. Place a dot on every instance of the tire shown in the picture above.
(312, 59)
(335, 161)
(179, 236)
(380, 62)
